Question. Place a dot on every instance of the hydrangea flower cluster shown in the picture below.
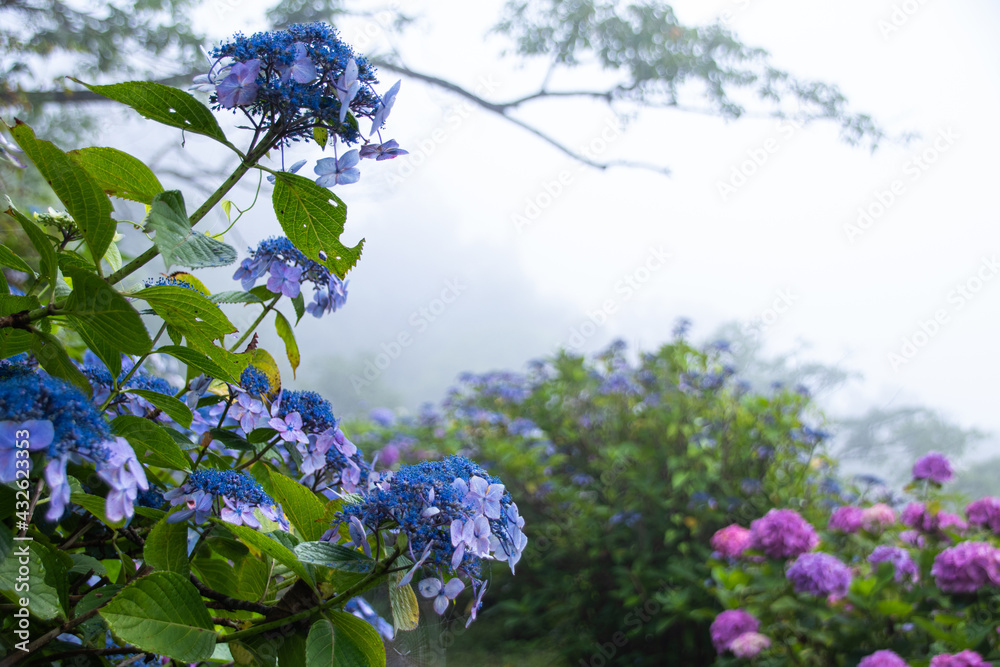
(846, 519)
(288, 269)
(883, 658)
(125, 403)
(931, 521)
(934, 467)
(967, 567)
(901, 561)
(782, 533)
(453, 515)
(237, 493)
(729, 626)
(820, 574)
(731, 541)
(985, 512)
(749, 644)
(967, 658)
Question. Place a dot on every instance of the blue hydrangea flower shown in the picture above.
(441, 592)
(289, 269)
(338, 171)
(315, 411)
(126, 477)
(385, 151)
(20, 364)
(161, 281)
(254, 381)
(238, 494)
(39, 435)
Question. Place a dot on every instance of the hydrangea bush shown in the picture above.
(624, 465)
(164, 497)
(885, 581)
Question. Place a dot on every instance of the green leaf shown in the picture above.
(227, 206)
(321, 135)
(152, 444)
(43, 244)
(113, 257)
(319, 644)
(99, 313)
(55, 361)
(14, 341)
(172, 407)
(198, 361)
(403, 601)
(235, 296)
(259, 542)
(163, 613)
(335, 557)
(188, 311)
(83, 198)
(166, 547)
(42, 583)
(118, 173)
(9, 259)
(95, 505)
(253, 575)
(303, 508)
(218, 575)
(286, 334)
(82, 564)
(164, 104)
(178, 242)
(313, 219)
(355, 642)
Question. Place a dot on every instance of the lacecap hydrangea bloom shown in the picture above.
(985, 512)
(967, 567)
(782, 533)
(233, 495)
(729, 625)
(882, 659)
(287, 270)
(901, 561)
(934, 467)
(820, 574)
(731, 541)
(964, 659)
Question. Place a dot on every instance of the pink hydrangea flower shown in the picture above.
(749, 644)
(882, 659)
(782, 534)
(877, 517)
(846, 519)
(729, 625)
(731, 541)
(963, 659)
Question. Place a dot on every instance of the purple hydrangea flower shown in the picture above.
(782, 534)
(985, 512)
(55, 477)
(289, 428)
(900, 559)
(240, 87)
(964, 659)
(388, 101)
(877, 517)
(820, 574)
(302, 69)
(442, 593)
(749, 644)
(934, 467)
(729, 625)
(347, 88)
(126, 477)
(40, 435)
(967, 567)
(338, 171)
(846, 519)
(285, 280)
(731, 541)
(385, 151)
(882, 659)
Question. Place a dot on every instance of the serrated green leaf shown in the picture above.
(355, 642)
(42, 581)
(164, 104)
(313, 219)
(70, 261)
(83, 198)
(151, 442)
(163, 613)
(118, 173)
(188, 311)
(262, 543)
(319, 644)
(98, 312)
(198, 361)
(335, 557)
(10, 260)
(285, 333)
(82, 564)
(403, 601)
(172, 407)
(53, 358)
(235, 296)
(303, 508)
(96, 506)
(253, 577)
(43, 244)
(178, 242)
(166, 547)
(217, 574)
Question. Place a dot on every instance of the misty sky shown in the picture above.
(451, 267)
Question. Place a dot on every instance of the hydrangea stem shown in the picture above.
(256, 323)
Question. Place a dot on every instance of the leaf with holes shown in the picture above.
(188, 311)
(313, 219)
